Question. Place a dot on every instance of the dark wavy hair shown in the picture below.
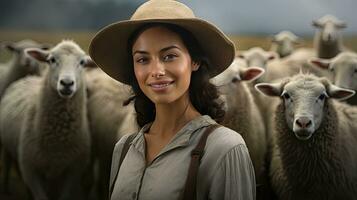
(203, 95)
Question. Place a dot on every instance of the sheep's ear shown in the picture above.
(269, 89)
(273, 38)
(89, 63)
(316, 24)
(336, 92)
(38, 54)
(322, 63)
(10, 46)
(251, 73)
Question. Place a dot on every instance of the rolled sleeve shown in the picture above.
(234, 177)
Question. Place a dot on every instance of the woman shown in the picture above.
(168, 55)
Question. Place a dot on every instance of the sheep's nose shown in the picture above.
(67, 82)
(303, 122)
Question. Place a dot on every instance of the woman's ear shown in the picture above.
(195, 65)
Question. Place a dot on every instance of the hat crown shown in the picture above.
(162, 9)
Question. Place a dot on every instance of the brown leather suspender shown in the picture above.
(122, 156)
(196, 155)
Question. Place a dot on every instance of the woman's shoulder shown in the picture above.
(223, 140)
(225, 136)
(121, 142)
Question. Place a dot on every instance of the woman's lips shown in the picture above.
(160, 85)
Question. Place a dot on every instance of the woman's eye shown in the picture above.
(169, 57)
(141, 60)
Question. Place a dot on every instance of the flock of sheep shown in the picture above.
(60, 117)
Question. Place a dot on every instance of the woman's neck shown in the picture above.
(170, 118)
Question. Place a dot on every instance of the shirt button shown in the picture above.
(133, 195)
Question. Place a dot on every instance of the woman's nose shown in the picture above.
(157, 69)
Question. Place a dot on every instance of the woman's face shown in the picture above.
(162, 65)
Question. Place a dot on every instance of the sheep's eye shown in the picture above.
(82, 62)
(286, 95)
(332, 69)
(355, 71)
(322, 97)
(52, 60)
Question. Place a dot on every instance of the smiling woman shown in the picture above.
(168, 60)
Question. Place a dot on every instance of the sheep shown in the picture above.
(257, 57)
(242, 115)
(327, 44)
(21, 64)
(109, 120)
(294, 63)
(283, 43)
(328, 40)
(314, 140)
(18, 67)
(343, 68)
(51, 126)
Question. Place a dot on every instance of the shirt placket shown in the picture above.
(178, 142)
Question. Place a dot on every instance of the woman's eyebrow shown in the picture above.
(162, 50)
(169, 47)
(140, 52)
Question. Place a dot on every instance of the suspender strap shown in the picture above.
(122, 156)
(196, 155)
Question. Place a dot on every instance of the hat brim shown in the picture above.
(109, 48)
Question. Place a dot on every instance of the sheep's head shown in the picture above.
(235, 73)
(23, 61)
(343, 68)
(283, 43)
(304, 97)
(257, 57)
(66, 62)
(329, 27)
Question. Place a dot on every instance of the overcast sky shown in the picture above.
(233, 16)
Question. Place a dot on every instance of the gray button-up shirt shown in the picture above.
(225, 173)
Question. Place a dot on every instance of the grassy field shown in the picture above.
(83, 39)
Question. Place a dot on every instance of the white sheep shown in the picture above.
(328, 39)
(314, 140)
(51, 123)
(283, 43)
(296, 62)
(257, 57)
(242, 114)
(343, 68)
(109, 120)
(20, 65)
(327, 44)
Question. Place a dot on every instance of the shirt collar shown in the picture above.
(181, 138)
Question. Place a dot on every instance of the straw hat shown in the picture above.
(109, 46)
